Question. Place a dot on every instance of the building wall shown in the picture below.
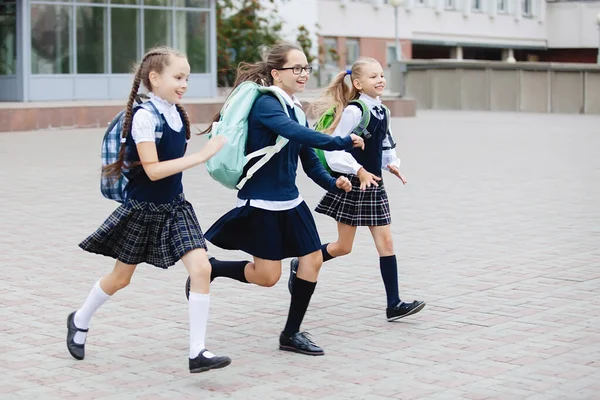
(573, 25)
(433, 23)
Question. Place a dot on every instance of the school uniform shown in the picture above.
(271, 220)
(357, 207)
(155, 224)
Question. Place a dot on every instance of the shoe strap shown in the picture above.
(81, 330)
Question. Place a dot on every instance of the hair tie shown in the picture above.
(348, 72)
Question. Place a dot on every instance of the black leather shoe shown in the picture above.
(293, 271)
(299, 343)
(76, 350)
(202, 364)
(404, 310)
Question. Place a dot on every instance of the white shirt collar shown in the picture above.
(370, 101)
(164, 107)
(291, 100)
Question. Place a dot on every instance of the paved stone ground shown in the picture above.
(498, 230)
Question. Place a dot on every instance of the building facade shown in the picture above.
(501, 30)
(87, 49)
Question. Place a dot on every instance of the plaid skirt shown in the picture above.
(369, 207)
(158, 234)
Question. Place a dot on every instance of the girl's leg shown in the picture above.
(260, 272)
(198, 267)
(382, 235)
(78, 322)
(291, 339)
(343, 246)
(388, 265)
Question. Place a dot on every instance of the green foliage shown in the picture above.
(244, 29)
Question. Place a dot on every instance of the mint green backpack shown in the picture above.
(227, 166)
(361, 129)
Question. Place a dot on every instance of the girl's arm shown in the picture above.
(389, 156)
(342, 161)
(316, 171)
(269, 112)
(142, 131)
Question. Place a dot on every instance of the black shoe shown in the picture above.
(76, 350)
(293, 271)
(299, 343)
(404, 310)
(202, 364)
(188, 283)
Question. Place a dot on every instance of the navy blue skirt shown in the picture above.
(270, 235)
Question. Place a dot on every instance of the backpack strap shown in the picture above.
(388, 133)
(159, 128)
(361, 128)
(268, 152)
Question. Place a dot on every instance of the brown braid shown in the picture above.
(186, 119)
(155, 60)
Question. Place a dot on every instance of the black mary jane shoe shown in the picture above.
(75, 349)
(202, 364)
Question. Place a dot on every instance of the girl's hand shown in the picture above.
(211, 148)
(367, 179)
(357, 141)
(343, 183)
(394, 170)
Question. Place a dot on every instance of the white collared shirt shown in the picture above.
(144, 122)
(342, 161)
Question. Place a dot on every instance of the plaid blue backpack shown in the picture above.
(114, 188)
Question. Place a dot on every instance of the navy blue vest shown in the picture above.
(172, 145)
(370, 158)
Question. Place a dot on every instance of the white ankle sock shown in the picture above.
(92, 303)
(198, 309)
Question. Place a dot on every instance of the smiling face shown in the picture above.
(370, 79)
(286, 79)
(171, 83)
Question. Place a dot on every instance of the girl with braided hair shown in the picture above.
(155, 224)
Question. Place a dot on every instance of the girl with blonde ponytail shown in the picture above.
(367, 203)
(155, 224)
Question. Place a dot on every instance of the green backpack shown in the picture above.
(361, 129)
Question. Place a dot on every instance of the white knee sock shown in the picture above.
(95, 299)
(198, 309)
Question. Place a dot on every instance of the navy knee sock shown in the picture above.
(326, 255)
(389, 273)
(303, 291)
(228, 269)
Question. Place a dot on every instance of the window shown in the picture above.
(192, 3)
(157, 28)
(391, 54)
(503, 6)
(450, 4)
(527, 8)
(330, 52)
(476, 5)
(50, 39)
(124, 39)
(90, 40)
(192, 30)
(8, 38)
(352, 51)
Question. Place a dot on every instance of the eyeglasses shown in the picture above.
(297, 70)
